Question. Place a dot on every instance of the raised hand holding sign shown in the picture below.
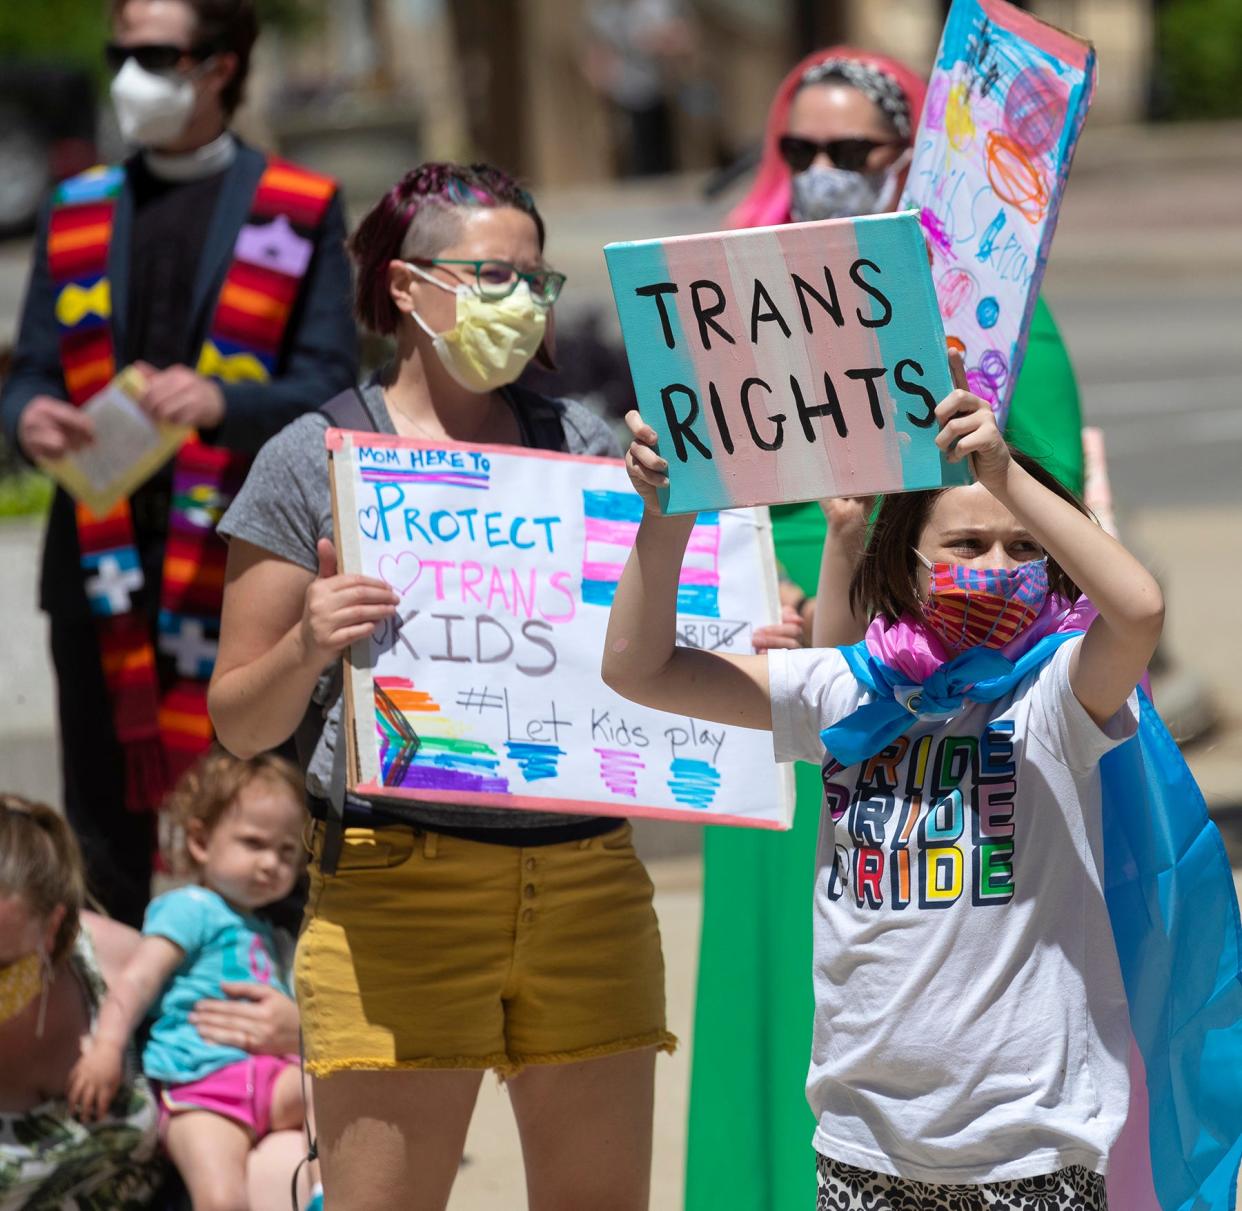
(786, 363)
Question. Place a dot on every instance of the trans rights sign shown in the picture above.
(787, 363)
(1005, 104)
(485, 688)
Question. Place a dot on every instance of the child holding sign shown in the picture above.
(857, 113)
(971, 1032)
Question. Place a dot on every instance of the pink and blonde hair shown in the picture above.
(418, 217)
(766, 203)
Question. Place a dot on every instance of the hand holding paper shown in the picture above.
(50, 428)
(180, 396)
(126, 448)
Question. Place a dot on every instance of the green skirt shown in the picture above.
(750, 1127)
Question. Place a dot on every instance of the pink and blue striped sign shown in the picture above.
(611, 522)
(787, 363)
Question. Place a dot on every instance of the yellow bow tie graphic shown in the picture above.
(75, 302)
(236, 368)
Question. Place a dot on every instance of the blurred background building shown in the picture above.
(635, 118)
(577, 91)
(570, 91)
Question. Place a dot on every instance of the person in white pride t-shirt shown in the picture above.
(971, 1032)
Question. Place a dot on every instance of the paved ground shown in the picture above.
(1146, 282)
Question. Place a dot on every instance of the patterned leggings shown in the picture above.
(844, 1188)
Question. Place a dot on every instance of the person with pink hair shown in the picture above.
(861, 99)
(837, 144)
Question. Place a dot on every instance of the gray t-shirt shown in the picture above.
(285, 507)
(970, 1019)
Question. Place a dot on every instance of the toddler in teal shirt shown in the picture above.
(242, 823)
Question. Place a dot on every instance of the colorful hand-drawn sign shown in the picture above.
(485, 690)
(787, 363)
(1007, 99)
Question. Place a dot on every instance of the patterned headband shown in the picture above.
(877, 86)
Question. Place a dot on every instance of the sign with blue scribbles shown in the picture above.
(485, 689)
(1005, 105)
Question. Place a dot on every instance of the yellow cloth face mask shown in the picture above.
(20, 983)
(492, 341)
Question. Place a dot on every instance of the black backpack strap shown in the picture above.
(345, 411)
(349, 411)
(542, 418)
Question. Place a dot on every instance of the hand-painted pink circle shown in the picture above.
(981, 385)
(1035, 109)
(260, 961)
(955, 290)
(937, 97)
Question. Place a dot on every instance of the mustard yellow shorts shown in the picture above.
(429, 951)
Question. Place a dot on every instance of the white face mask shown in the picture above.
(836, 193)
(152, 109)
(492, 341)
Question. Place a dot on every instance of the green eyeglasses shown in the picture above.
(499, 279)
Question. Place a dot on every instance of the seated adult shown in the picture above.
(56, 961)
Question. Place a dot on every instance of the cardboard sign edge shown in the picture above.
(341, 465)
(787, 790)
(518, 804)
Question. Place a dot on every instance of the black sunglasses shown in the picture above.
(154, 56)
(849, 154)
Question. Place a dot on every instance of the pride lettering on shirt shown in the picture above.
(940, 830)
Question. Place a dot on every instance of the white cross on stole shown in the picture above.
(190, 645)
(114, 583)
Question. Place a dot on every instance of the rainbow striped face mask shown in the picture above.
(983, 607)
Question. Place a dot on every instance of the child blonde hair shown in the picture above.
(210, 787)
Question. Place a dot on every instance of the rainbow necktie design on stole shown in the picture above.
(162, 736)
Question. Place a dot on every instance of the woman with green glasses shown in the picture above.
(450, 939)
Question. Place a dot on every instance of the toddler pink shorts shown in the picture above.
(241, 1092)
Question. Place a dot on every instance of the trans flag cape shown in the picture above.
(1170, 896)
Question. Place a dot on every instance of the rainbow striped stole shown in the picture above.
(272, 252)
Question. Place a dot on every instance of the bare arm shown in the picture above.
(1117, 647)
(95, 1078)
(114, 944)
(641, 659)
(833, 622)
(281, 627)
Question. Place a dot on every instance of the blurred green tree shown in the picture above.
(74, 31)
(64, 30)
(1199, 58)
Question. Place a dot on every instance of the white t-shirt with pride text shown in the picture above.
(970, 1019)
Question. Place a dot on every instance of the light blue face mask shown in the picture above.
(821, 192)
